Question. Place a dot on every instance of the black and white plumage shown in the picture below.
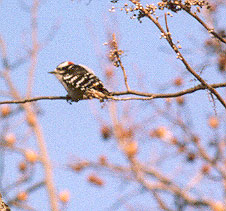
(80, 82)
(3, 205)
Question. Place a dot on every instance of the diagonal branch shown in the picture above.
(176, 50)
(38, 134)
(166, 183)
(211, 31)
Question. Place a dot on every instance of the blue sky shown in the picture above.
(72, 131)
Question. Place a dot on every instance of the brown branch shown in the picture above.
(49, 179)
(141, 171)
(35, 46)
(36, 127)
(124, 199)
(167, 27)
(145, 95)
(116, 52)
(130, 98)
(3, 52)
(166, 183)
(202, 152)
(161, 203)
(211, 31)
(176, 50)
(34, 99)
(170, 95)
(30, 189)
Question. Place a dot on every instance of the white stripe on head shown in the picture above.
(64, 64)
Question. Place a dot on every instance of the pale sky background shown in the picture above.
(71, 131)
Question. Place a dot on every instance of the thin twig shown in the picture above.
(166, 184)
(3, 52)
(36, 127)
(161, 203)
(141, 171)
(35, 47)
(211, 31)
(124, 198)
(176, 50)
(30, 189)
(166, 22)
(34, 99)
(119, 61)
(130, 98)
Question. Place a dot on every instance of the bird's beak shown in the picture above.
(52, 72)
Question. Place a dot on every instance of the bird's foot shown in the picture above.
(69, 99)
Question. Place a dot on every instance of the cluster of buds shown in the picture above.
(173, 5)
(106, 132)
(79, 166)
(22, 196)
(180, 100)
(130, 148)
(178, 81)
(177, 5)
(161, 132)
(5, 110)
(115, 53)
(113, 56)
(95, 179)
(213, 122)
(191, 156)
(124, 134)
(10, 139)
(199, 3)
(222, 62)
(214, 46)
(102, 160)
(31, 156)
(150, 8)
(112, 9)
(64, 196)
(128, 8)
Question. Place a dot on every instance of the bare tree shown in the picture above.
(197, 162)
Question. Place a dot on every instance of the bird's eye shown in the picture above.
(61, 70)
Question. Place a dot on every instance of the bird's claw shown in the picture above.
(69, 99)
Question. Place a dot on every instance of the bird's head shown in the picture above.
(62, 68)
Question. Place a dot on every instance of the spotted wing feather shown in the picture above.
(81, 81)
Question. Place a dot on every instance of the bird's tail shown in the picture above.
(106, 92)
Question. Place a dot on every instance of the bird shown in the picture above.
(3, 205)
(80, 82)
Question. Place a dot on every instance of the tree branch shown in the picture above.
(144, 95)
(117, 55)
(34, 99)
(167, 36)
(211, 31)
(36, 127)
